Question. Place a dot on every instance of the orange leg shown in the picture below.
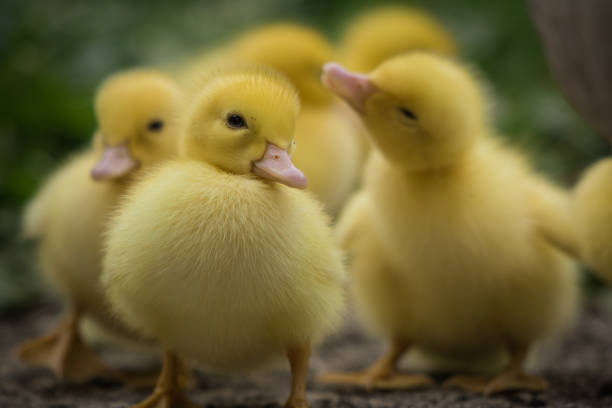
(298, 360)
(382, 374)
(168, 392)
(514, 378)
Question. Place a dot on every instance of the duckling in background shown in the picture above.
(447, 257)
(592, 198)
(137, 113)
(295, 50)
(385, 32)
(219, 256)
(330, 137)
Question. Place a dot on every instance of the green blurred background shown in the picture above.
(53, 54)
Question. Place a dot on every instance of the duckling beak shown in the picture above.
(355, 89)
(276, 165)
(116, 162)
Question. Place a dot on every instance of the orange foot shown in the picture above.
(65, 354)
(370, 381)
(515, 381)
(504, 382)
(473, 383)
(166, 399)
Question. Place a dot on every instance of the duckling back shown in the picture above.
(328, 154)
(385, 32)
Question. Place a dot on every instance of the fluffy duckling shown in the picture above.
(388, 31)
(385, 32)
(137, 115)
(331, 139)
(219, 256)
(592, 197)
(295, 50)
(447, 257)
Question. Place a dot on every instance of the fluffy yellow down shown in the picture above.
(331, 141)
(446, 250)
(385, 32)
(217, 264)
(592, 198)
(68, 215)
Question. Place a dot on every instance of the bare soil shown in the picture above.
(579, 369)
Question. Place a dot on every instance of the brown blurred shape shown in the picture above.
(577, 39)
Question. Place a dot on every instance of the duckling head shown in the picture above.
(137, 113)
(296, 51)
(388, 31)
(422, 111)
(243, 122)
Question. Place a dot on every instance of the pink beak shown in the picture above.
(353, 88)
(116, 162)
(276, 165)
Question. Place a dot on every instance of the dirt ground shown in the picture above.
(579, 369)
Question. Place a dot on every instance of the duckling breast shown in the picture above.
(230, 271)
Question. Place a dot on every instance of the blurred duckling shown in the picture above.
(330, 139)
(137, 114)
(592, 198)
(385, 32)
(447, 258)
(219, 256)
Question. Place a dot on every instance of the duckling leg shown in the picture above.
(298, 360)
(168, 391)
(510, 379)
(64, 352)
(382, 374)
(513, 377)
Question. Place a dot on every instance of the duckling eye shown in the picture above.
(236, 121)
(156, 125)
(408, 113)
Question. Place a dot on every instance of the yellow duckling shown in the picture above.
(137, 113)
(592, 198)
(447, 258)
(330, 139)
(295, 50)
(216, 256)
(385, 32)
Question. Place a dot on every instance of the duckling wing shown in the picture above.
(40, 209)
(550, 207)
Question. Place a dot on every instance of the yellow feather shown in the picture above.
(388, 31)
(445, 236)
(592, 198)
(68, 215)
(215, 263)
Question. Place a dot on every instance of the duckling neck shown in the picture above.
(447, 167)
(437, 171)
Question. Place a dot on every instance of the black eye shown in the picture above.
(156, 125)
(235, 121)
(408, 113)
